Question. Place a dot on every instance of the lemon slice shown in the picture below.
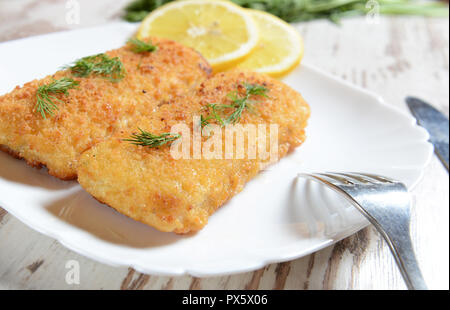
(221, 31)
(280, 47)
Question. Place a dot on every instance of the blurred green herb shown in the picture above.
(138, 9)
(139, 46)
(305, 10)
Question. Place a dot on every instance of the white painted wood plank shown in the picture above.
(398, 57)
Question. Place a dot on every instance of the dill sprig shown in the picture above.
(145, 138)
(101, 65)
(46, 102)
(139, 46)
(239, 103)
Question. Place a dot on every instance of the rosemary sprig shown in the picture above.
(139, 46)
(239, 103)
(46, 102)
(145, 138)
(101, 65)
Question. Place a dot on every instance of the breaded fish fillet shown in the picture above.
(149, 185)
(97, 107)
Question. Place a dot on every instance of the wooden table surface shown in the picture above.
(397, 57)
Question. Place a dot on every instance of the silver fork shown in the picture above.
(386, 204)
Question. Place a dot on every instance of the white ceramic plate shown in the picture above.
(277, 217)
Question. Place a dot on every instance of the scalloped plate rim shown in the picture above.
(256, 261)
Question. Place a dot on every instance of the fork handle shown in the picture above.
(391, 223)
(401, 247)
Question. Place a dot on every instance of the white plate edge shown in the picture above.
(62, 238)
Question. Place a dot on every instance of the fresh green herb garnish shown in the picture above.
(139, 46)
(101, 65)
(46, 102)
(239, 103)
(305, 10)
(138, 9)
(145, 138)
(204, 120)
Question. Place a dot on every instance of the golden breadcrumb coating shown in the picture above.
(178, 195)
(98, 107)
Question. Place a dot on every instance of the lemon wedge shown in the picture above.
(280, 47)
(221, 31)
